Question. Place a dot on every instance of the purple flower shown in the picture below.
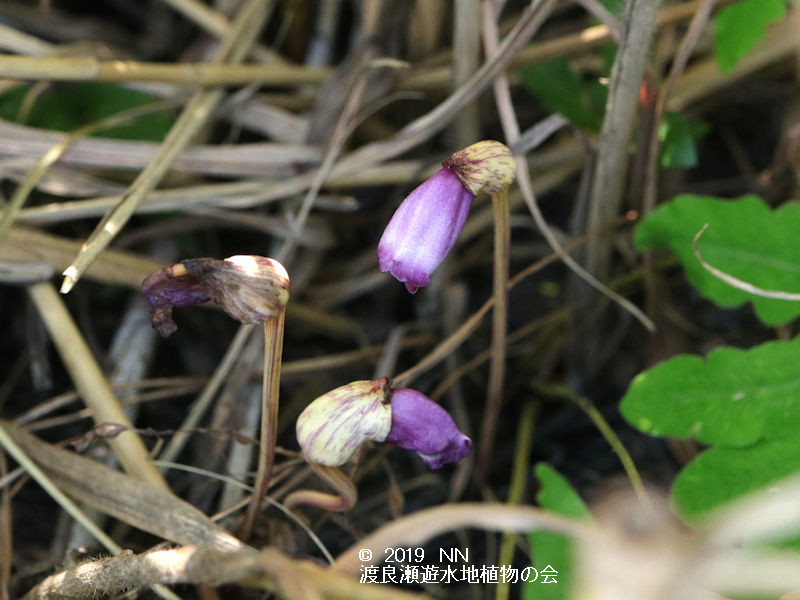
(333, 427)
(424, 229)
(425, 226)
(419, 424)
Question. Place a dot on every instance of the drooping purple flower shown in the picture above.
(424, 228)
(427, 223)
(333, 427)
(421, 425)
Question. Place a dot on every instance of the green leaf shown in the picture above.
(741, 26)
(556, 495)
(678, 135)
(745, 238)
(564, 91)
(732, 398)
(744, 403)
(720, 475)
(614, 6)
(65, 107)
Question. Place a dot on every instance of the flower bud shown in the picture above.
(251, 289)
(332, 428)
(484, 167)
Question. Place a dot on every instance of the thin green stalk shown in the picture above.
(273, 351)
(616, 444)
(588, 407)
(516, 490)
(494, 390)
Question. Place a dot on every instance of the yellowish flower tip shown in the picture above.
(332, 428)
(487, 166)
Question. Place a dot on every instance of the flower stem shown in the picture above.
(494, 390)
(344, 499)
(516, 488)
(591, 411)
(273, 351)
(594, 414)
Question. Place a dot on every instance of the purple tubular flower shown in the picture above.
(424, 229)
(419, 424)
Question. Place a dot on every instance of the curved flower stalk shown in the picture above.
(427, 223)
(344, 498)
(333, 427)
(251, 289)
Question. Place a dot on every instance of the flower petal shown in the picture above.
(419, 424)
(332, 428)
(251, 289)
(424, 229)
(170, 287)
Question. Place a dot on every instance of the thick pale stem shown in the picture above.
(273, 351)
(494, 390)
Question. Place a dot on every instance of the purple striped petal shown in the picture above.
(332, 428)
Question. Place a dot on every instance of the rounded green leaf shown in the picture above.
(720, 475)
(731, 398)
(745, 238)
